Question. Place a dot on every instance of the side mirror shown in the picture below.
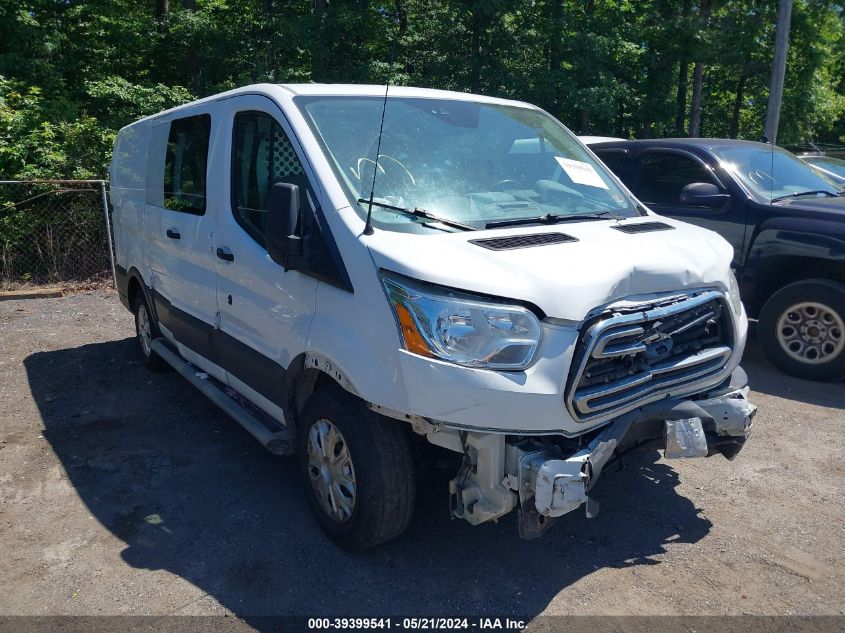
(703, 194)
(283, 243)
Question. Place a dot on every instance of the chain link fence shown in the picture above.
(54, 232)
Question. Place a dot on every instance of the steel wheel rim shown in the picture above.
(330, 470)
(811, 332)
(145, 334)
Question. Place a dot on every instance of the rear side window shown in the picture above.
(185, 164)
(262, 155)
(662, 175)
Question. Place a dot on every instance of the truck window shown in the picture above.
(617, 161)
(262, 156)
(185, 164)
(662, 175)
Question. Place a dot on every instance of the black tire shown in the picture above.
(812, 291)
(149, 358)
(379, 451)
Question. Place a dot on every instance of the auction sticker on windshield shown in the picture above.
(581, 173)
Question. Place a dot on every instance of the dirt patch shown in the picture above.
(102, 283)
(125, 492)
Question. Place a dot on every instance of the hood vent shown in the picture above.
(643, 227)
(523, 241)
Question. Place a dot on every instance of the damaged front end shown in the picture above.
(550, 486)
(659, 374)
(546, 478)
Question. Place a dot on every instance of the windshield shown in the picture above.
(772, 173)
(468, 162)
(835, 166)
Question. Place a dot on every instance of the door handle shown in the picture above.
(173, 235)
(225, 255)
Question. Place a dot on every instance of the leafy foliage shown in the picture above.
(73, 72)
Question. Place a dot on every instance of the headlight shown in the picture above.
(733, 294)
(460, 328)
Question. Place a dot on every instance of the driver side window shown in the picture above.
(262, 155)
(661, 176)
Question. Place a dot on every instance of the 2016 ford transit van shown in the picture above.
(352, 276)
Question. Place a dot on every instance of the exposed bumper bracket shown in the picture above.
(550, 487)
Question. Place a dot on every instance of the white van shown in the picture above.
(354, 278)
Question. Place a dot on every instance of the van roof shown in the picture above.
(377, 90)
(280, 91)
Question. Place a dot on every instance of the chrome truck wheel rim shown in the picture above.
(811, 333)
(330, 470)
(144, 330)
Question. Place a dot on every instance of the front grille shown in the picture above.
(639, 353)
(523, 241)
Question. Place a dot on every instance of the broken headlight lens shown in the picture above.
(733, 294)
(460, 328)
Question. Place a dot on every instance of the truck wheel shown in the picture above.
(356, 468)
(802, 329)
(146, 330)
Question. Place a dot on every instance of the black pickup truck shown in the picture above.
(785, 221)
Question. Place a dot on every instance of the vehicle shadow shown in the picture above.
(766, 378)
(188, 491)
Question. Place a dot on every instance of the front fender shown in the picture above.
(795, 237)
(807, 237)
(358, 348)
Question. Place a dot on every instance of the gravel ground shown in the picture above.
(126, 492)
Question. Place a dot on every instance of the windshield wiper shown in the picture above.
(807, 193)
(550, 218)
(419, 213)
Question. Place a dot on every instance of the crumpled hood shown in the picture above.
(565, 280)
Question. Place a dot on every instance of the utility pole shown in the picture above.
(778, 70)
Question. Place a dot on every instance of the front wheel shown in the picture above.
(356, 469)
(802, 329)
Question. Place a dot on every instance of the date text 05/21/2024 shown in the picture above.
(433, 623)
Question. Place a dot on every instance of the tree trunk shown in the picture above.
(695, 111)
(475, 68)
(681, 96)
(319, 48)
(162, 11)
(620, 117)
(740, 90)
(556, 35)
(556, 51)
(269, 33)
(162, 8)
(683, 77)
(192, 67)
(402, 15)
(698, 74)
(583, 120)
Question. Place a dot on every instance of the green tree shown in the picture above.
(76, 71)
